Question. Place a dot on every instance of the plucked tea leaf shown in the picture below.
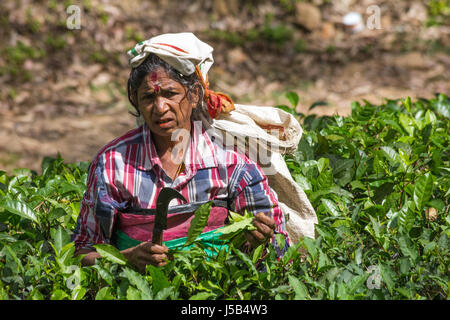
(244, 222)
(198, 223)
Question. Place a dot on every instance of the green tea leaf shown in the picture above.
(160, 280)
(139, 282)
(406, 215)
(407, 247)
(78, 293)
(286, 109)
(407, 103)
(407, 123)
(383, 191)
(257, 253)
(310, 245)
(164, 293)
(198, 223)
(60, 238)
(20, 208)
(430, 117)
(393, 157)
(134, 294)
(443, 106)
(17, 261)
(280, 240)
(423, 190)
(104, 293)
(245, 259)
(59, 295)
(301, 292)
(201, 296)
(111, 253)
(293, 98)
(330, 207)
(234, 228)
(104, 274)
(387, 275)
(356, 283)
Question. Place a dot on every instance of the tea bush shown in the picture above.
(378, 179)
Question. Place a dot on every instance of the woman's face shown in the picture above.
(164, 104)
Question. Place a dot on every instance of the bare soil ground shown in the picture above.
(72, 99)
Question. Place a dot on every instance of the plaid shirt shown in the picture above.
(128, 171)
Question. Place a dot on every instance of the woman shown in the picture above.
(168, 87)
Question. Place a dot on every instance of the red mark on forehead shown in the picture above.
(154, 77)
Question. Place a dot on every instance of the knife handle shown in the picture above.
(157, 236)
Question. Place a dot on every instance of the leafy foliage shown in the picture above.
(378, 179)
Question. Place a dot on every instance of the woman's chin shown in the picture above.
(164, 129)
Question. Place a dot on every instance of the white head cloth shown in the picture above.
(183, 51)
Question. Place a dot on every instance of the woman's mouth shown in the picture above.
(163, 123)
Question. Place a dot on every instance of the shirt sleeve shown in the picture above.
(250, 191)
(97, 212)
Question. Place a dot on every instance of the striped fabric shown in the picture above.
(128, 172)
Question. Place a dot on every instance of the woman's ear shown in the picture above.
(197, 94)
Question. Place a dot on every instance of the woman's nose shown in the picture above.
(161, 105)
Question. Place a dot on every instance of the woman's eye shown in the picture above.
(170, 94)
(149, 97)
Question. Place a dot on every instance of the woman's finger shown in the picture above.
(263, 228)
(153, 259)
(260, 216)
(156, 248)
(251, 239)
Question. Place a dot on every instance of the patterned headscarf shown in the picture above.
(187, 54)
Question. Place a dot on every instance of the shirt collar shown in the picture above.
(200, 152)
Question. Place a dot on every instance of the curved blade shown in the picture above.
(162, 204)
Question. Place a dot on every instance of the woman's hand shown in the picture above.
(147, 253)
(139, 256)
(265, 227)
